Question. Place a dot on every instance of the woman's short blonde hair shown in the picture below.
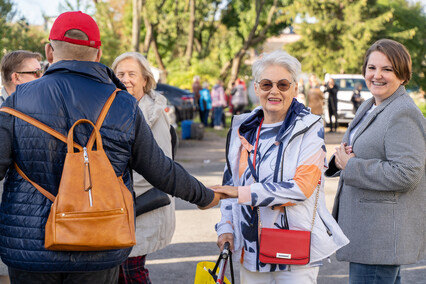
(397, 54)
(145, 67)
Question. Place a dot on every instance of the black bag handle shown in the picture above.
(225, 254)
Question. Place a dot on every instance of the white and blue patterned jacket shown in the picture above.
(296, 162)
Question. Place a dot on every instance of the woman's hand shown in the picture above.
(222, 239)
(342, 155)
(226, 190)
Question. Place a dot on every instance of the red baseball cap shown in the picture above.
(78, 21)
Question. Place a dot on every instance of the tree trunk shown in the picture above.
(158, 55)
(148, 35)
(236, 63)
(189, 45)
(136, 23)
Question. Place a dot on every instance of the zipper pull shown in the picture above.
(87, 178)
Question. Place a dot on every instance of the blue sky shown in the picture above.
(33, 9)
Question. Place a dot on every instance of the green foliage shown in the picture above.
(408, 26)
(113, 41)
(422, 107)
(343, 31)
(216, 42)
(19, 34)
(340, 35)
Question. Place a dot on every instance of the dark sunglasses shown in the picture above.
(282, 85)
(37, 73)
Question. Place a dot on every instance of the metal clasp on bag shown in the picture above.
(87, 179)
(283, 255)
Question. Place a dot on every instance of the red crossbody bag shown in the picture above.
(284, 246)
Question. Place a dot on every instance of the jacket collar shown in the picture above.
(4, 95)
(250, 123)
(93, 70)
(372, 116)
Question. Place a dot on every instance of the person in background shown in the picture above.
(18, 67)
(154, 229)
(316, 100)
(301, 96)
(75, 86)
(380, 201)
(276, 159)
(218, 104)
(196, 88)
(239, 98)
(356, 98)
(205, 104)
(332, 89)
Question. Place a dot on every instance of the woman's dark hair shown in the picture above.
(397, 54)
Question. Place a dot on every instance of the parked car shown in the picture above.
(346, 84)
(181, 100)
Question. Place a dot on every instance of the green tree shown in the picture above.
(262, 19)
(6, 14)
(185, 38)
(336, 34)
(408, 26)
(18, 34)
(115, 38)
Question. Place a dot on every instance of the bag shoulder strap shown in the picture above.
(285, 213)
(37, 124)
(101, 117)
(50, 196)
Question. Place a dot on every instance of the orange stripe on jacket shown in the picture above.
(306, 178)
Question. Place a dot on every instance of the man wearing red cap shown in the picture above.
(75, 86)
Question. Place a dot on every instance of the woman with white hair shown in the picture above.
(276, 157)
(154, 229)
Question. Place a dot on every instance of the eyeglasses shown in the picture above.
(37, 73)
(282, 85)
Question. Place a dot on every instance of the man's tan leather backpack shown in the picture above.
(93, 209)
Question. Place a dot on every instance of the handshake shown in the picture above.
(221, 192)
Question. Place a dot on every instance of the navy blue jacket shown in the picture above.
(71, 90)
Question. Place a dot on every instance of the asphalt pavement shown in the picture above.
(195, 238)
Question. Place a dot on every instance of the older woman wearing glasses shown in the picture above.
(276, 158)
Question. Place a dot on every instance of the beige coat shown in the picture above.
(154, 230)
(316, 101)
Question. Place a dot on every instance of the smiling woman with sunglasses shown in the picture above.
(275, 158)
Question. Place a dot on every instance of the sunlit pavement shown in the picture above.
(195, 238)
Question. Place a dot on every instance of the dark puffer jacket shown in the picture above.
(71, 90)
(68, 91)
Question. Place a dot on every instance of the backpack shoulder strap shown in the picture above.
(50, 196)
(38, 124)
(101, 117)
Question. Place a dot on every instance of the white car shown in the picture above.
(346, 84)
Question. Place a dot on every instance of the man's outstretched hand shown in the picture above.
(221, 192)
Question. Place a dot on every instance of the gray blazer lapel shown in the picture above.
(359, 115)
(370, 118)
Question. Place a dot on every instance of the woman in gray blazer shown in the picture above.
(380, 202)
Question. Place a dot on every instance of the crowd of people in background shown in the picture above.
(211, 103)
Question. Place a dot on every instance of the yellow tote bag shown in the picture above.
(202, 275)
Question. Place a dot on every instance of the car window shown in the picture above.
(349, 84)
